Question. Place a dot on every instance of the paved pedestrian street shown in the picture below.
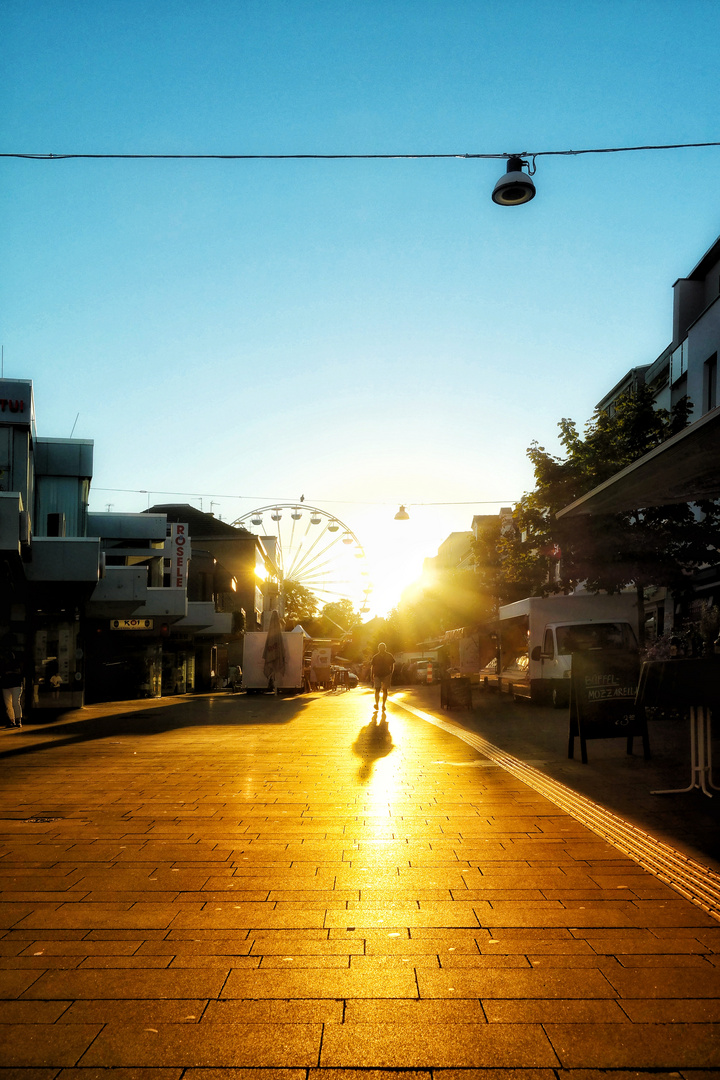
(260, 887)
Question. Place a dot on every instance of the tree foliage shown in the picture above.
(647, 546)
(299, 603)
(343, 615)
(339, 617)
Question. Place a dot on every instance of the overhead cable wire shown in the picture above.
(359, 157)
(271, 499)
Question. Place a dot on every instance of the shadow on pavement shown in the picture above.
(374, 741)
(152, 717)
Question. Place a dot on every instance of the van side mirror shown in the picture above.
(536, 654)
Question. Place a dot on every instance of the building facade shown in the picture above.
(97, 605)
(686, 367)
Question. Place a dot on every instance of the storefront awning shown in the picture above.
(683, 469)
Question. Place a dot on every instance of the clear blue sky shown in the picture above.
(378, 332)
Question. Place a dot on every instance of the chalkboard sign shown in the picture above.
(602, 700)
(455, 693)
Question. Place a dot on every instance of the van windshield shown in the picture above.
(572, 639)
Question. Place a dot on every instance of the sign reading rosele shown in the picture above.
(177, 550)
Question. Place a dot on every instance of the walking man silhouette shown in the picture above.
(381, 669)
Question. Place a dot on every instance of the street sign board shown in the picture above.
(602, 699)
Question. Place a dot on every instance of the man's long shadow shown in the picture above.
(373, 742)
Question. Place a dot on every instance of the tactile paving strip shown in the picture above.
(691, 879)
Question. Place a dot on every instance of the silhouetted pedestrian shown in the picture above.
(12, 686)
(381, 669)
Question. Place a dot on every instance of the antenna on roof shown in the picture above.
(73, 427)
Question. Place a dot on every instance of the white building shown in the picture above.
(688, 365)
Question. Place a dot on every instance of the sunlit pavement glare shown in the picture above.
(231, 882)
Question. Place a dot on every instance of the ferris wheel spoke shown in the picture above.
(336, 594)
(279, 554)
(311, 559)
(301, 555)
(292, 534)
(319, 558)
(320, 581)
(322, 569)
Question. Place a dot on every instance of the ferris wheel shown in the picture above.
(314, 549)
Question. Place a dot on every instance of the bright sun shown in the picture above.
(394, 564)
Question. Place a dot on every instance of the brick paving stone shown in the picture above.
(414, 1012)
(642, 942)
(117, 962)
(577, 960)
(638, 1046)
(26, 1045)
(75, 947)
(665, 982)
(375, 963)
(141, 1011)
(369, 916)
(220, 962)
(31, 1012)
(230, 1045)
(207, 947)
(505, 944)
(89, 916)
(301, 961)
(676, 960)
(544, 913)
(451, 960)
(231, 916)
(548, 1011)
(401, 892)
(245, 1074)
(13, 983)
(311, 1011)
(672, 1010)
(89, 985)
(514, 983)
(500, 1074)
(31, 963)
(333, 984)
(28, 1074)
(119, 1074)
(366, 1074)
(437, 1045)
(10, 914)
(304, 947)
